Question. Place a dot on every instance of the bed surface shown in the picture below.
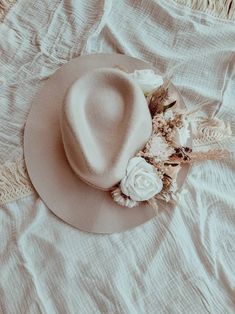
(182, 261)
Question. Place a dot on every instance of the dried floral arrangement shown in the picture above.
(152, 174)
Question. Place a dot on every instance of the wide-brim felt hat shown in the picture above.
(73, 155)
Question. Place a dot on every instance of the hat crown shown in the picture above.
(105, 121)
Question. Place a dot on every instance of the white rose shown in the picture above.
(141, 181)
(147, 79)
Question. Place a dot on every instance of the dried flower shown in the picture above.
(182, 154)
(122, 199)
(157, 99)
(168, 115)
(159, 148)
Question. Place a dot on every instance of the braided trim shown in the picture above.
(14, 182)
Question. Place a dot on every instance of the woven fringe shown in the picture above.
(14, 182)
(5, 6)
(219, 8)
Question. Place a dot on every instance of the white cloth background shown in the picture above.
(182, 261)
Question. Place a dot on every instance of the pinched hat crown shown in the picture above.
(105, 121)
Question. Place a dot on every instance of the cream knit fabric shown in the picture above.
(182, 261)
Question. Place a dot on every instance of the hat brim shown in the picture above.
(68, 197)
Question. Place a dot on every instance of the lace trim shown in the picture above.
(14, 182)
(218, 8)
(5, 6)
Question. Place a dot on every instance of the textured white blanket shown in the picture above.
(183, 261)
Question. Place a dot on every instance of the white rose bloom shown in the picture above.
(141, 181)
(147, 79)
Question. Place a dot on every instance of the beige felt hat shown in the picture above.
(86, 123)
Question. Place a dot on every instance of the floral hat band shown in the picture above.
(152, 174)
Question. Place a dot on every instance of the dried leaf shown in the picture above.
(169, 106)
(157, 99)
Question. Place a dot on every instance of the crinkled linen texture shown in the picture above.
(183, 261)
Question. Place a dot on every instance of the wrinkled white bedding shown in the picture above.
(183, 261)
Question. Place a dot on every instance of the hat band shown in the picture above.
(151, 175)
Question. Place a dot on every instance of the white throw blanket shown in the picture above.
(182, 261)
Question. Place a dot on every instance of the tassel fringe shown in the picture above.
(219, 8)
(14, 182)
(5, 6)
